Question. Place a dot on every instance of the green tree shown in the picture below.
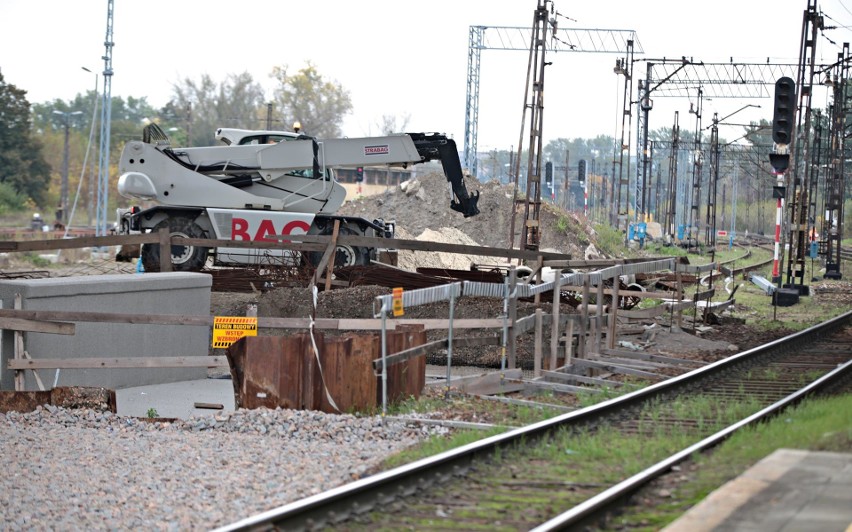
(128, 117)
(197, 109)
(306, 97)
(22, 164)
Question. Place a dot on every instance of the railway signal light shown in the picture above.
(548, 173)
(581, 171)
(785, 110)
(359, 174)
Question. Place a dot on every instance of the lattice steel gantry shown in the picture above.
(518, 39)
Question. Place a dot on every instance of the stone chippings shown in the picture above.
(84, 469)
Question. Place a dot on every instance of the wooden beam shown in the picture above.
(487, 383)
(129, 362)
(626, 353)
(333, 249)
(703, 296)
(165, 249)
(538, 385)
(630, 363)
(615, 368)
(273, 323)
(523, 402)
(645, 313)
(107, 317)
(49, 327)
(579, 379)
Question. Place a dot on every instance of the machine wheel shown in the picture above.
(184, 258)
(345, 255)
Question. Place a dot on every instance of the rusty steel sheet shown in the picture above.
(406, 379)
(387, 277)
(254, 362)
(347, 371)
(286, 371)
(62, 396)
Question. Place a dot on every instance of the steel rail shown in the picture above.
(355, 498)
(601, 502)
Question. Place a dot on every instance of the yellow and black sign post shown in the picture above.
(229, 329)
(397, 302)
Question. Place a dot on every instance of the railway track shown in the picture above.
(561, 472)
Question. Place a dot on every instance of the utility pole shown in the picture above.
(697, 163)
(625, 67)
(832, 227)
(62, 210)
(106, 119)
(531, 233)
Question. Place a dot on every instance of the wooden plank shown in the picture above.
(697, 268)
(630, 363)
(538, 276)
(306, 243)
(129, 362)
(35, 374)
(615, 368)
(332, 246)
(705, 295)
(580, 379)
(80, 242)
(554, 322)
(626, 353)
(582, 341)
(537, 344)
(644, 313)
(49, 327)
(417, 245)
(612, 332)
(715, 305)
(523, 402)
(209, 406)
(512, 316)
(18, 350)
(273, 323)
(600, 317)
(539, 385)
(472, 383)
(165, 249)
(107, 317)
(329, 252)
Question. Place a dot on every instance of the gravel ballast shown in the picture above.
(78, 469)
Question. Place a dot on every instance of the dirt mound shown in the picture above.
(424, 203)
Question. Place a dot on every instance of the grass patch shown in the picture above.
(436, 445)
(816, 425)
(610, 240)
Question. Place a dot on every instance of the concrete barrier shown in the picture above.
(176, 294)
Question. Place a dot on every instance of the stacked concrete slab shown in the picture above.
(179, 294)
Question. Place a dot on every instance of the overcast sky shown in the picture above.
(397, 57)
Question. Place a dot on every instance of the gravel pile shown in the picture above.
(85, 469)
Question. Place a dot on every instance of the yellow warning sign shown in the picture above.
(397, 302)
(229, 329)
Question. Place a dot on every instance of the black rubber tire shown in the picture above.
(345, 255)
(184, 258)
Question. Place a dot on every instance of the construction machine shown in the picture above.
(260, 184)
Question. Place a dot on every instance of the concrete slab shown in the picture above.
(176, 293)
(176, 399)
(789, 491)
